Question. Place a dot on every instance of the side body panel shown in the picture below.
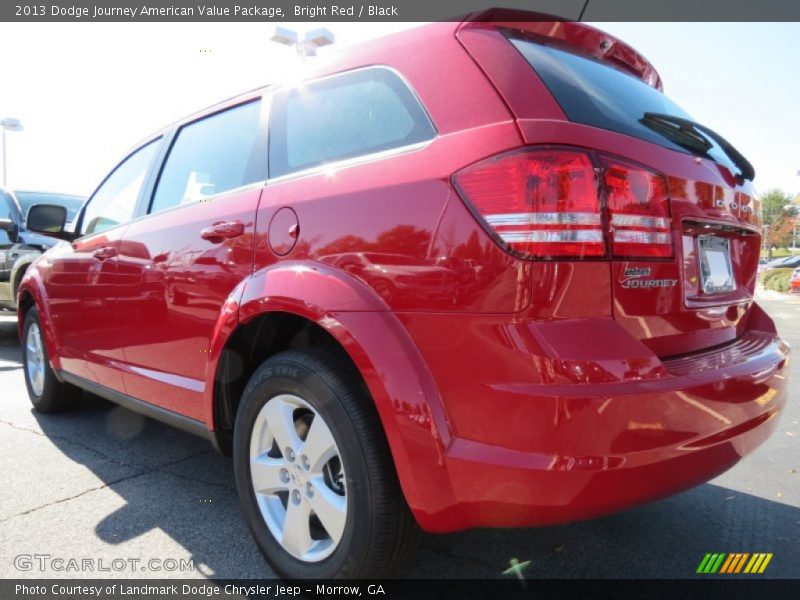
(395, 225)
(172, 287)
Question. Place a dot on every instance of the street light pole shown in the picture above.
(8, 124)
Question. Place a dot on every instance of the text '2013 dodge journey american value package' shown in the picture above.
(507, 287)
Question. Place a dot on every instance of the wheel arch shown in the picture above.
(281, 308)
(30, 293)
(25, 302)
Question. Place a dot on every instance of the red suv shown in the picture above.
(477, 274)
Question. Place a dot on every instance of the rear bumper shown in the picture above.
(600, 448)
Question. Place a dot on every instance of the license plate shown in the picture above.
(716, 272)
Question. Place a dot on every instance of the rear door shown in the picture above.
(179, 263)
(681, 224)
(696, 293)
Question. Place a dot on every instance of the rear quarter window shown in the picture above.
(344, 116)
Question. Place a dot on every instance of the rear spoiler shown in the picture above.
(580, 36)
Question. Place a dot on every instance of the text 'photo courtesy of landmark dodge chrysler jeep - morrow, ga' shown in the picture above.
(473, 274)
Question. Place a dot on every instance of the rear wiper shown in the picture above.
(687, 133)
(685, 136)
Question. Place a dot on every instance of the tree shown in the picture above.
(778, 222)
(780, 234)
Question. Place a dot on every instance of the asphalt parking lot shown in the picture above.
(104, 483)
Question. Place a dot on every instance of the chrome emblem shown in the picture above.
(635, 278)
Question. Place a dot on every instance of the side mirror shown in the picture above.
(46, 218)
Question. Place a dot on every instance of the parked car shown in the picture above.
(19, 246)
(609, 351)
(794, 282)
(787, 262)
(776, 262)
(71, 202)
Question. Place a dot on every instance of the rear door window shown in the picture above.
(595, 93)
(344, 116)
(213, 155)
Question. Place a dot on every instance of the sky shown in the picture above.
(86, 93)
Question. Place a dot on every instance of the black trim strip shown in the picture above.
(140, 406)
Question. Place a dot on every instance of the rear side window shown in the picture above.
(115, 200)
(345, 116)
(594, 93)
(211, 156)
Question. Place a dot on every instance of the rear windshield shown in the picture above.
(594, 93)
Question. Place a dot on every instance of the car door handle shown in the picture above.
(222, 231)
(104, 252)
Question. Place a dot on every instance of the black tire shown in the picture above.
(380, 534)
(55, 395)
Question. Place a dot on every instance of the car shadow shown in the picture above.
(193, 501)
(174, 482)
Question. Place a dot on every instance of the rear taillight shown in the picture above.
(638, 207)
(545, 203)
(539, 203)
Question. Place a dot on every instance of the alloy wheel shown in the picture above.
(34, 359)
(298, 478)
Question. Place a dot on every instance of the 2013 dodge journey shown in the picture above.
(474, 274)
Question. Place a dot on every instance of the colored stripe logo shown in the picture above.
(734, 562)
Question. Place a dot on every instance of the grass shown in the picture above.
(777, 279)
(778, 253)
